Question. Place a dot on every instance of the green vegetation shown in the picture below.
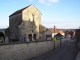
(1, 41)
(2, 35)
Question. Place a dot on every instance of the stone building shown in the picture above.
(77, 36)
(25, 24)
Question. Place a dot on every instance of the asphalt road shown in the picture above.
(68, 51)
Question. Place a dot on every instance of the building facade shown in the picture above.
(25, 24)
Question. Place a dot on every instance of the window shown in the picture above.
(32, 18)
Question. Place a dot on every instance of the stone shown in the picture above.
(79, 45)
(29, 20)
(21, 39)
(33, 39)
(6, 40)
(26, 40)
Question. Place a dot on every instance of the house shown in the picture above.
(72, 33)
(25, 24)
(59, 36)
(61, 32)
(54, 31)
(51, 32)
(48, 34)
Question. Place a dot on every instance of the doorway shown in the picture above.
(30, 37)
(34, 36)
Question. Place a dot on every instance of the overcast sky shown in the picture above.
(59, 13)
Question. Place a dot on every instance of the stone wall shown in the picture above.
(25, 51)
(25, 23)
(62, 41)
(28, 27)
(13, 25)
(78, 37)
(33, 17)
(42, 32)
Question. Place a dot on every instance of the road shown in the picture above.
(68, 51)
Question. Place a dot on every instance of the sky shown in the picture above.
(64, 14)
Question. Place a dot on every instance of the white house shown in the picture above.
(50, 33)
(62, 32)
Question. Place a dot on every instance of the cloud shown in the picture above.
(53, 0)
(48, 4)
(42, 1)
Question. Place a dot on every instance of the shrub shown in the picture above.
(1, 41)
(2, 35)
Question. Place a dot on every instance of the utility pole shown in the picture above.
(54, 36)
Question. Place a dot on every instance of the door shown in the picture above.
(30, 37)
(34, 36)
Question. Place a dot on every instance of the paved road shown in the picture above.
(68, 51)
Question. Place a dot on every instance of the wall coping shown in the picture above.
(11, 43)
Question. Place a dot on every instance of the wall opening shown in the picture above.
(34, 36)
(30, 37)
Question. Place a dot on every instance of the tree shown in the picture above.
(2, 35)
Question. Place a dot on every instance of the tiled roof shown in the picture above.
(58, 34)
(61, 32)
(53, 30)
(19, 11)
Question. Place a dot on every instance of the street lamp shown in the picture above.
(54, 36)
